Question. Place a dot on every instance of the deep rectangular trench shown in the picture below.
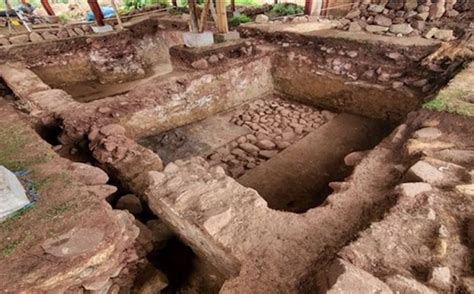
(291, 164)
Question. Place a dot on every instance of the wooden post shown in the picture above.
(222, 25)
(119, 21)
(232, 5)
(175, 3)
(203, 20)
(194, 27)
(99, 17)
(308, 7)
(49, 10)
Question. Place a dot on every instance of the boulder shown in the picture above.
(401, 284)
(144, 239)
(461, 157)
(410, 5)
(354, 27)
(430, 33)
(342, 277)
(437, 9)
(422, 16)
(427, 134)
(249, 147)
(49, 36)
(88, 174)
(353, 13)
(375, 8)
(444, 35)
(395, 4)
(261, 18)
(467, 190)
(403, 28)
(213, 59)
(376, 29)
(440, 277)
(425, 172)
(160, 232)
(418, 25)
(382, 20)
(131, 203)
(266, 144)
(151, 281)
(20, 39)
(35, 37)
(413, 189)
(200, 64)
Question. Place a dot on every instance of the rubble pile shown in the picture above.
(403, 18)
(275, 124)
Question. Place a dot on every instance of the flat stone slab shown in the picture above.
(198, 139)
(343, 277)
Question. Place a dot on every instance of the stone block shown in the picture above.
(223, 37)
(413, 189)
(343, 277)
(198, 40)
(401, 284)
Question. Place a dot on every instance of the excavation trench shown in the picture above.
(282, 145)
(287, 151)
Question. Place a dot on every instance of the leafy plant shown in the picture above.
(177, 10)
(284, 9)
(237, 20)
(134, 4)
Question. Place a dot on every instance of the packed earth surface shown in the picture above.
(304, 154)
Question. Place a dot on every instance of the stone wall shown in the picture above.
(403, 18)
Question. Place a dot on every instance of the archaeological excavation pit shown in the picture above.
(287, 151)
(298, 158)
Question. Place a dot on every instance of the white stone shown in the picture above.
(427, 133)
(347, 278)
(413, 189)
(423, 171)
(197, 40)
(401, 284)
(12, 194)
(440, 277)
(261, 18)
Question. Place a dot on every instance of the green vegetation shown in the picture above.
(284, 9)
(60, 209)
(177, 10)
(13, 143)
(10, 249)
(8, 224)
(451, 101)
(252, 3)
(237, 20)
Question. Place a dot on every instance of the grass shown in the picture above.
(8, 224)
(452, 102)
(10, 249)
(15, 149)
(60, 209)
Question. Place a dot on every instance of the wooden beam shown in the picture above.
(308, 7)
(203, 20)
(222, 25)
(193, 26)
